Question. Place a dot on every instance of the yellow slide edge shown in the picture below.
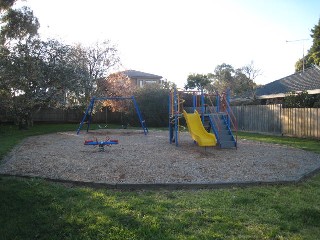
(197, 130)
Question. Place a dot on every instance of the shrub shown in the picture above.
(153, 103)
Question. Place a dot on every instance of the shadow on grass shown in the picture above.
(33, 209)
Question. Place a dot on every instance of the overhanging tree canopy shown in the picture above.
(313, 55)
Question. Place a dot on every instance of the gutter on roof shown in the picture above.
(282, 95)
(279, 95)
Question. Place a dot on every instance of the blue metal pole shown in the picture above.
(176, 104)
(142, 122)
(218, 102)
(170, 117)
(90, 113)
(85, 115)
(228, 105)
(194, 101)
(202, 105)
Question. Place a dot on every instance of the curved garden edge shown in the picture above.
(150, 162)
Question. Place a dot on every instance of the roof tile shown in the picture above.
(138, 74)
(301, 81)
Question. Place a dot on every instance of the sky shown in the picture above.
(175, 38)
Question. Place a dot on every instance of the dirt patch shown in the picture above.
(151, 159)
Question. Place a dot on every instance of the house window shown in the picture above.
(144, 82)
(151, 81)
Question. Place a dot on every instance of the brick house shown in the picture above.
(140, 79)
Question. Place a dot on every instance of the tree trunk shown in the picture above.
(24, 121)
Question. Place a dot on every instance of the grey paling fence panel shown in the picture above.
(315, 122)
(259, 118)
(57, 115)
(106, 117)
(74, 116)
(99, 117)
(300, 122)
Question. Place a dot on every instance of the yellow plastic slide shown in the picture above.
(197, 131)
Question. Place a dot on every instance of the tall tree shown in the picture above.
(223, 77)
(314, 52)
(245, 79)
(197, 81)
(240, 81)
(37, 73)
(313, 55)
(251, 71)
(97, 61)
(16, 24)
(6, 4)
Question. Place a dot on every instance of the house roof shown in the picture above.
(301, 81)
(138, 74)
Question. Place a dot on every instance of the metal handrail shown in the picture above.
(216, 123)
(232, 118)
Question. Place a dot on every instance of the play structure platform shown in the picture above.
(208, 124)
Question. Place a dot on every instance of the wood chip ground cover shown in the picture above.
(151, 159)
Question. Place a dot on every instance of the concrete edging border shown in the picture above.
(169, 186)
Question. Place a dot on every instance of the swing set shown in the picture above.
(87, 118)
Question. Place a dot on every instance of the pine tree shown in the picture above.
(313, 55)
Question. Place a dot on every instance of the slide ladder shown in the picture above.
(222, 131)
(221, 120)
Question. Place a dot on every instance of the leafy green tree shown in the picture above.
(169, 85)
(242, 84)
(16, 24)
(223, 77)
(197, 81)
(301, 100)
(37, 73)
(314, 52)
(313, 55)
(240, 81)
(6, 4)
(96, 62)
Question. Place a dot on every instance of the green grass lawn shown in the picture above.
(36, 209)
(306, 144)
(10, 135)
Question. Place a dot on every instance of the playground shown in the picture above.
(181, 158)
(149, 159)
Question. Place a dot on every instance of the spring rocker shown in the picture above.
(108, 142)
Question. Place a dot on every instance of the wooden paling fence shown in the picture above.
(301, 122)
(274, 119)
(74, 116)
